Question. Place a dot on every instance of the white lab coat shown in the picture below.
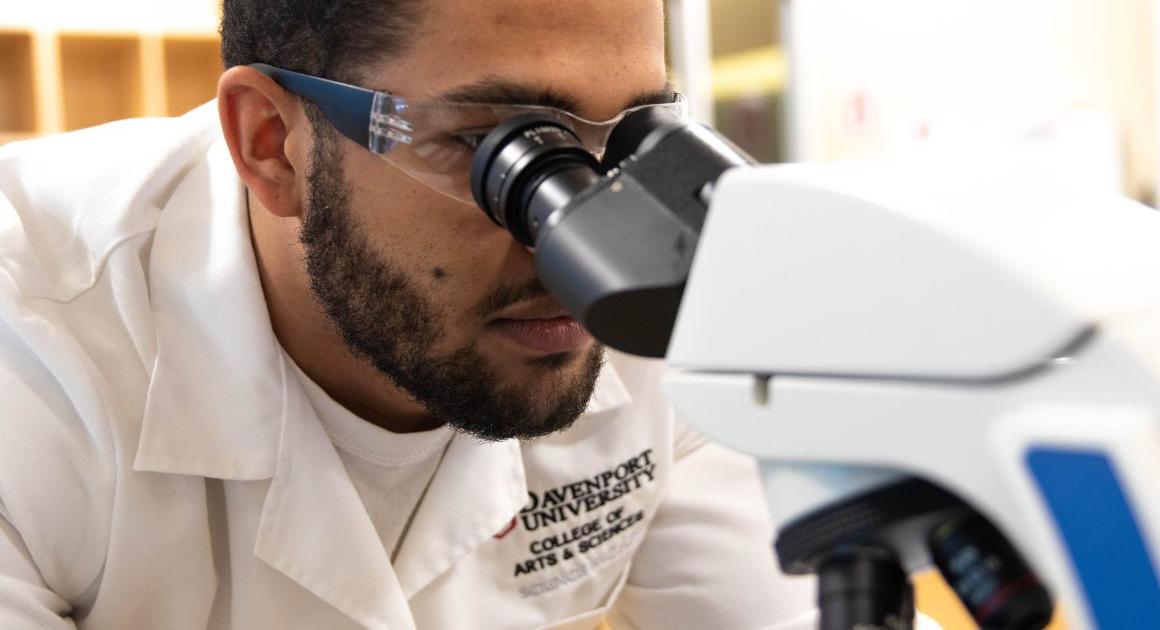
(160, 466)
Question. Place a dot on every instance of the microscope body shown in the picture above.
(854, 326)
(931, 366)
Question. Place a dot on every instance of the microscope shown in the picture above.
(930, 367)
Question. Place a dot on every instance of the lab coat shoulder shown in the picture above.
(67, 202)
(76, 217)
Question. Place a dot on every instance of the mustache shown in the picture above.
(510, 294)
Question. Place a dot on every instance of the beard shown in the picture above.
(384, 317)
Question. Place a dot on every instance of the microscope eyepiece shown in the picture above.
(614, 242)
(526, 168)
(639, 133)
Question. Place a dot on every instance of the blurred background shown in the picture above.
(69, 64)
(1065, 89)
(1062, 87)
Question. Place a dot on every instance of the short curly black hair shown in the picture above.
(330, 38)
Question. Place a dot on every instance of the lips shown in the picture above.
(549, 335)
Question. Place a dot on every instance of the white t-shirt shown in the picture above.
(391, 471)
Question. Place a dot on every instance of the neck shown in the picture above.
(312, 341)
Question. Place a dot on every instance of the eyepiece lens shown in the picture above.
(527, 167)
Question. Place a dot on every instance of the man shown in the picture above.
(255, 375)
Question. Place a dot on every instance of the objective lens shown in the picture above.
(989, 576)
(525, 169)
(864, 588)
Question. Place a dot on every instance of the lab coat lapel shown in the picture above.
(315, 530)
(223, 403)
(476, 491)
(212, 408)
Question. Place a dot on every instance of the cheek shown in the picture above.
(451, 250)
(466, 263)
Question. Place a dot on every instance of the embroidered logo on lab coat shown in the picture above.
(599, 524)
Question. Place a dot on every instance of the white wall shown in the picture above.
(884, 78)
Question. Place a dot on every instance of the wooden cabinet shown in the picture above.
(64, 80)
(17, 102)
(100, 79)
(192, 67)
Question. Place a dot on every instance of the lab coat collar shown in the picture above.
(223, 402)
(476, 491)
(213, 407)
(314, 528)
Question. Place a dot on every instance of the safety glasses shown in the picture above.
(432, 141)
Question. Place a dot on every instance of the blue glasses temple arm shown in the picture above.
(346, 106)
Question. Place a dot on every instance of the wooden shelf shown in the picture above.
(101, 79)
(18, 102)
(192, 67)
(57, 81)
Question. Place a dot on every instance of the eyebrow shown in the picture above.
(501, 92)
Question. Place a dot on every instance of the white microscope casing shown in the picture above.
(849, 325)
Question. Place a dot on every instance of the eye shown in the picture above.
(468, 138)
(469, 142)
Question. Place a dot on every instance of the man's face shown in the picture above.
(428, 289)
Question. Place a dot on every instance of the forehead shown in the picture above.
(600, 53)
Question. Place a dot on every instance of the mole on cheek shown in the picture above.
(438, 273)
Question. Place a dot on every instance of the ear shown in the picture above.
(269, 138)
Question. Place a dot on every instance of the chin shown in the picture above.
(547, 372)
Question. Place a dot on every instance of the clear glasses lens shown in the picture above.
(445, 136)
